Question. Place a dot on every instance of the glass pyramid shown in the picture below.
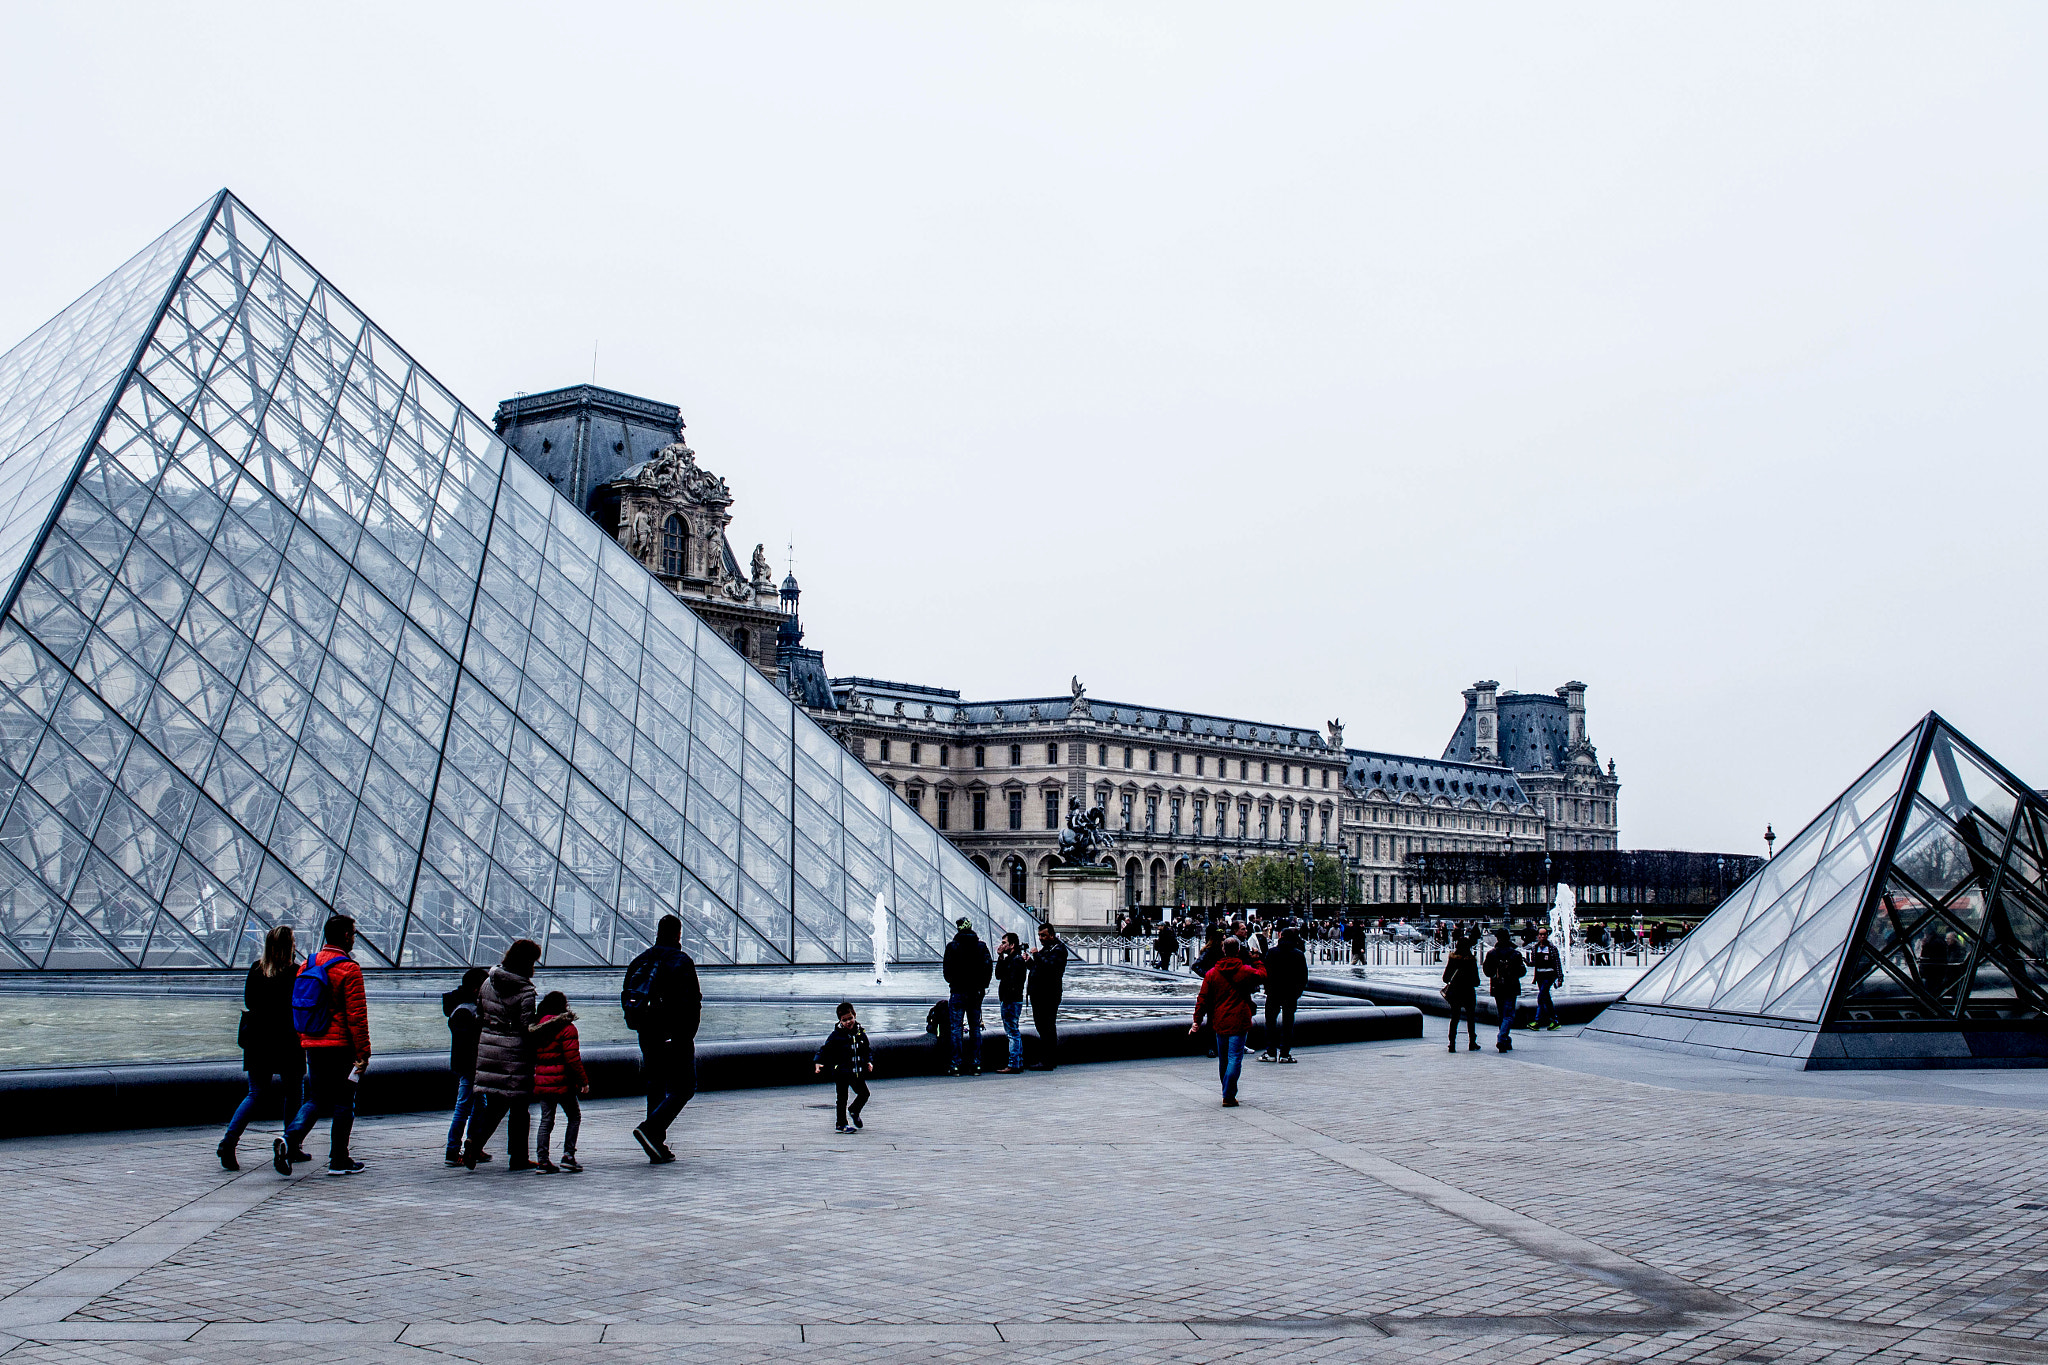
(1919, 895)
(287, 633)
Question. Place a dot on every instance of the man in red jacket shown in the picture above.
(336, 1056)
(1225, 1004)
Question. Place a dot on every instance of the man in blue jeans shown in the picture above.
(967, 968)
(1504, 969)
(1010, 972)
(1225, 1004)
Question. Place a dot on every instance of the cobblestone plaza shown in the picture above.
(1571, 1201)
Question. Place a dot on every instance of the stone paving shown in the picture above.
(1376, 1202)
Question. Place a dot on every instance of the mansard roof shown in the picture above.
(630, 407)
(1405, 775)
(1535, 732)
(1168, 721)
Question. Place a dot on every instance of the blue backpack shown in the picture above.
(313, 997)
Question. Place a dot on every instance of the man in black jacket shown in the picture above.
(1546, 964)
(1047, 982)
(1286, 979)
(968, 969)
(1504, 970)
(668, 1034)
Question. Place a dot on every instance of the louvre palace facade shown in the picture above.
(1182, 787)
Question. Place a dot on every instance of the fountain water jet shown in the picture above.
(880, 938)
(1564, 923)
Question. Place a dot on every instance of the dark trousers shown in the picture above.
(287, 1079)
(1280, 1025)
(547, 1123)
(1466, 1006)
(859, 1088)
(328, 1091)
(1546, 1012)
(965, 1012)
(669, 1066)
(1045, 1017)
(490, 1111)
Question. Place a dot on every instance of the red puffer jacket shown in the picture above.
(1225, 1001)
(558, 1058)
(349, 1025)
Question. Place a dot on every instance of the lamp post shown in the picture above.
(1308, 877)
(1205, 895)
(1225, 907)
(1770, 838)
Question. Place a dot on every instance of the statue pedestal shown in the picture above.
(1081, 897)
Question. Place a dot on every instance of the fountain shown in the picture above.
(880, 935)
(1564, 924)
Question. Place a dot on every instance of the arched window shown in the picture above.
(674, 546)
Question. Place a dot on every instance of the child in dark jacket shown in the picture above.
(464, 1024)
(558, 1079)
(846, 1055)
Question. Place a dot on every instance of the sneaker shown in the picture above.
(226, 1153)
(856, 1121)
(1504, 1046)
(546, 1167)
(1011, 1071)
(469, 1159)
(452, 1157)
(1454, 1047)
(484, 1156)
(1230, 1104)
(952, 1071)
(1287, 1061)
(345, 1166)
(280, 1157)
(648, 1145)
(518, 1164)
(571, 1164)
(666, 1155)
(1554, 1025)
(1267, 1057)
(299, 1158)
(842, 1128)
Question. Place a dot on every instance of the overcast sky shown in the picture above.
(1285, 363)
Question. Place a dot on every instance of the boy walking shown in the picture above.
(846, 1056)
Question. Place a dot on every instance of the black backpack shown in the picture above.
(637, 999)
(938, 1020)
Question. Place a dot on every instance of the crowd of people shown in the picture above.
(1603, 941)
(305, 1033)
(305, 1030)
(305, 1037)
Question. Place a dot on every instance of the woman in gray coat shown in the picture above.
(507, 1009)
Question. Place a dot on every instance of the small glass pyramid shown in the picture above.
(287, 633)
(1918, 897)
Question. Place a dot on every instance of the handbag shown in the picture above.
(243, 1035)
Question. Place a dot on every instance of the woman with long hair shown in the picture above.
(1461, 991)
(270, 1045)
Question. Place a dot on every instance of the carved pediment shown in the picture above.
(674, 475)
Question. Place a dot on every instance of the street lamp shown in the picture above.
(1770, 838)
(1308, 875)
(1205, 895)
